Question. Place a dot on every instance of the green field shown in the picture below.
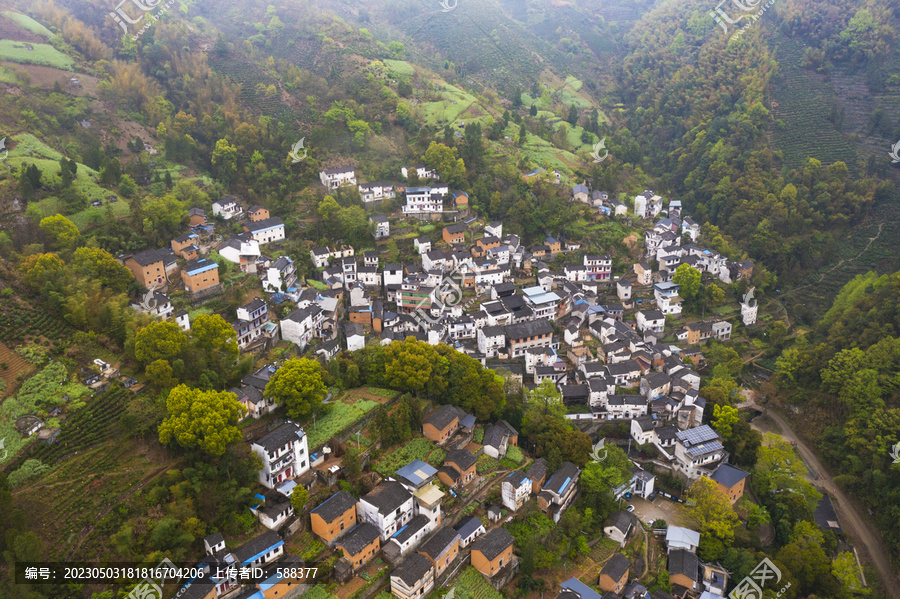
(340, 417)
(26, 22)
(42, 54)
(454, 102)
(417, 449)
(399, 68)
(475, 585)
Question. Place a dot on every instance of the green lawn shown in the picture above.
(475, 585)
(399, 68)
(43, 54)
(417, 449)
(26, 22)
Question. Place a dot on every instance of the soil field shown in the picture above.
(14, 365)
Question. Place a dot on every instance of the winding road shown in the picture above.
(862, 532)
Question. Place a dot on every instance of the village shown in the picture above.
(616, 347)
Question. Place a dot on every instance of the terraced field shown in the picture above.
(249, 76)
(803, 101)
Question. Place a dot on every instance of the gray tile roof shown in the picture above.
(335, 506)
(387, 497)
(287, 432)
(493, 543)
(682, 561)
(413, 569)
(616, 567)
(728, 475)
(440, 542)
(359, 537)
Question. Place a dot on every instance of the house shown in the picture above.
(201, 277)
(558, 492)
(257, 213)
(441, 549)
(493, 551)
(422, 172)
(185, 246)
(355, 336)
(424, 200)
(373, 192)
(575, 589)
(644, 273)
(227, 208)
(459, 468)
(497, 437)
(527, 335)
(335, 177)
(266, 231)
(684, 569)
(381, 226)
(320, 257)
(284, 454)
(469, 529)
(422, 244)
(652, 321)
(619, 526)
(360, 544)
(730, 481)
(698, 450)
(196, 217)
(264, 549)
(407, 537)
(454, 234)
(302, 325)
(714, 579)
(614, 574)
(150, 267)
(389, 507)
(251, 318)
(414, 579)
(274, 513)
(334, 516)
(581, 193)
(680, 538)
(749, 309)
(214, 543)
(280, 275)
(623, 290)
(515, 490)
(461, 199)
(495, 229)
(598, 267)
(537, 474)
(443, 422)
(155, 303)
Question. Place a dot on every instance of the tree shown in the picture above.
(573, 115)
(416, 367)
(297, 386)
(724, 418)
(161, 374)
(779, 471)
(844, 568)
(299, 497)
(712, 510)
(61, 231)
(600, 479)
(224, 159)
(445, 161)
(214, 342)
(127, 186)
(533, 110)
(41, 269)
(688, 280)
(159, 341)
(523, 134)
(97, 264)
(204, 419)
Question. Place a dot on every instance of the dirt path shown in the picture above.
(862, 532)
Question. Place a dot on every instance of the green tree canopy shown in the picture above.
(214, 343)
(712, 510)
(99, 265)
(297, 386)
(161, 340)
(62, 233)
(688, 280)
(204, 419)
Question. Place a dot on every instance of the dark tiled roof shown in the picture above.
(387, 497)
(461, 457)
(616, 567)
(622, 520)
(359, 537)
(282, 435)
(335, 506)
(414, 526)
(255, 546)
(534, 328)
(439, 543)
(148, 257)
(728, 475)
(493, 543)
(413, 570)
(682, 561)
(538, 469)
(444, 415)
(516, 478)
(267, 223)
(562, 478)
(467, 526)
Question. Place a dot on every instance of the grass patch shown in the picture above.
(12, 76)
(475, 585)
(515, 454)
(26, 22)
(317, 284)
(399, 68)
(341, 417)
(317, 592)
(417, 449)
(486, 463)
(43, 54)
(386, 393)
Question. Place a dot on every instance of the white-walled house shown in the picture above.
(227, 208)
(302, 325)
(335, 177)
(389, 507)
(284, 454)
(266, 231)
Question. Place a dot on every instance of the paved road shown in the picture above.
(861, 531)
